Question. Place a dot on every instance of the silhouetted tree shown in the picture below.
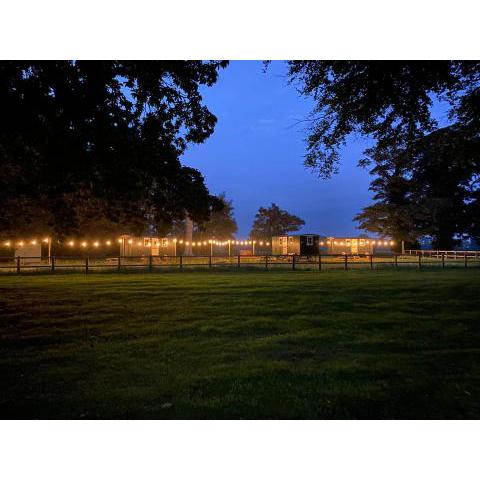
(430, 188)
(274, 221)
(221, 223)
(100, 141)
(388, 101)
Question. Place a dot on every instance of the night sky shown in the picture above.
(256, 153)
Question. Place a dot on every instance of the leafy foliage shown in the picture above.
(388, 100)
(274, 221)
(430, 188)
(221, 223)
(426, 178)
(101, 135)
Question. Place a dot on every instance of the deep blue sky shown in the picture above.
(256, 153)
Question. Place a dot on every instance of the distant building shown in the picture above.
(312, 244)
(131, 246)
(305, 244)
(354, 246)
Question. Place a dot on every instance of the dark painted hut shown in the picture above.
(304, 244)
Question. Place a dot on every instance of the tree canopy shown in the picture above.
(390, 101)
(89, 142)
(221, 223)
(430, 188)
(426, 177)
(273, 221)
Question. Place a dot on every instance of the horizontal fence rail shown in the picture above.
(59, 264)
(445, 253)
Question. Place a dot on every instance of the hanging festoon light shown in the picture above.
(84, 244)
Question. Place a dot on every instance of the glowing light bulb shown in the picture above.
(33, 242)
(20, 243)
(119, 240)
(71, 243)
(95, 244)
(45, 240)
(108, 242)
(7, 244)
(84, 244)
(130, 241)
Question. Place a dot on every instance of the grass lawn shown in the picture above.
(357, 344)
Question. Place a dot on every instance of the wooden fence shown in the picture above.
(475, 254)
(54, 264)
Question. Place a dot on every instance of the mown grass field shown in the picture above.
(356, 344)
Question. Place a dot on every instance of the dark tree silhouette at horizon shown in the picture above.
(274, 221)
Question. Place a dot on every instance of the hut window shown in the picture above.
(146, 242)
(309, 240)
(164, 242)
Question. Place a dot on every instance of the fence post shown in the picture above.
(465, 260)
(119, 263)
(86, 265)
(150, 265)
(396, 260)
(18, 264)
(266, 262)
(181, 261)
(209, 261)
(319, 262)
(443, 260)
(371, 261)
(419, 260)
(293, 262)
(346, 262)
(238, 261)
(52, 263)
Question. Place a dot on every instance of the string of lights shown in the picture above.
(130, 241)
(167, 241)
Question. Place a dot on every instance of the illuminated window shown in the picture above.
(146, 242)
(309, 240)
